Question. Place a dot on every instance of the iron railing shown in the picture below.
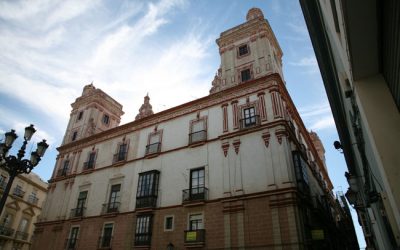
(33, 199)
(63, 172)
(105, 242)
(198, 136)
(19, 192)
(3, 184)
(120, 156)
(195, 236)
(77, 212)
(250, 122)
(88, 165)
(6, 231)
(146, 201)
(21, 235)
(143, 239)
(153, 148)
(112, 207)
(71, 243)
(195, 194)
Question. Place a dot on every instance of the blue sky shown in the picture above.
(50, 49)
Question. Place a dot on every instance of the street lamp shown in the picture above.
(15, 165)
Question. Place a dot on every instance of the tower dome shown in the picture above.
(254, 13)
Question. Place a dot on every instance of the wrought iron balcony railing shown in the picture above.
(195, 194)
(118, 157)
(112, 207)
(3, 184)
(146, 201)
(6, 231)
(143, 239)
(19, 192)
(21, 235)
(250, 122)
(153, 148)
(88, 165)
(195, 236)
(63, 172)
(198, 136)
(33, 199)
(105, 242)
(78, 212)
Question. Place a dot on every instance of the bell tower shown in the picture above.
(248, 51)
(93, 112)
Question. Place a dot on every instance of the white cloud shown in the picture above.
(308, 63)
(317, 117)
(326, 122)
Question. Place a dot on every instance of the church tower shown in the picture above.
(93, 112)
(248, 51)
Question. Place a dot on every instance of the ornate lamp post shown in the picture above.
(15, 165)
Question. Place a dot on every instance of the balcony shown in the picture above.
(33, 199)
(198, 136)
(77, 212)
(119, 157)
(6, 231)
(105, 242)
(292, 127)
(146, 202)
(88, 165)
(109, 208)
(143, 239)
(3, 184)
(21, 235)
(250, 122)
(153, 148)
(71, 244)
(18, 192)
(63, 172)
(195, 236)
(195, 194)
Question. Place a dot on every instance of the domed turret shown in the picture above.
(254, 13)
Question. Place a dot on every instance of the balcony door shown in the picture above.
(197, 184)
(80, 206)
(249, 116)
(113, 202)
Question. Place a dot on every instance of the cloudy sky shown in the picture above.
(50, 49)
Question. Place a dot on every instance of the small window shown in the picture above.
(122, 153)
(106, 119)
(73, 238)
(154, 143)
(169, 223)
(198, 131)
(90, 162)
(64, 170)
(245, 75)
(80, 115)
(243, 50)
(74, 135)
(195, 222)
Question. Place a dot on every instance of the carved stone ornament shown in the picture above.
(266, 136)
(225, 147)
(279, 134)
(146, 109)
(236, 145)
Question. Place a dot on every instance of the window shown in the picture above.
(122, 152)
(106, 119)
(114, 199)
(91, 160)
(197, 190)
(3, 182)
(73, 238)
(147, 189)
(80, 116)
(105, 240)
(64, 170)
(243, 50)
(154, 143)
(33, 199)
(245, 75)
(198, 131)
(195, 222)
(335, 15)
(249, 117)
(7, 220)
(74, 135)
(80, 205)
(21, 233)
(143, 230)
(300, 170)
(169, 223)
(18, 191)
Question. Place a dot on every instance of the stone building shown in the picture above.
(234, 169)
(357, 44)
(21, 211)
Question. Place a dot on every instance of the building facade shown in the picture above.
(234, 169)
(357, 47)
(21, 211)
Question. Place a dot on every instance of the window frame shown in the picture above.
(106, 225)
(79, 116)
(74, 135)
(239, 55)
(172, 223)
(70, 238)
(105, 119)
(192, 131)
(154, 147)
(143, 228)
(190, 225)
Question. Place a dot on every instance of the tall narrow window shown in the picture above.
(197, 190)
(74, 136)
(65, 169)
(196, 233)
(106, 238)
(143, 230)
(300, 166)
(3, 182)
(91, 160)
(106, 119)
(114, 199)
(245, 75)
(80, 115)
(21, 233)
(195, 222)
(18, 191)
(154, 143)
(122, 152)
(147, 189)
(73, 238)
(198, 131)
(80, 205)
